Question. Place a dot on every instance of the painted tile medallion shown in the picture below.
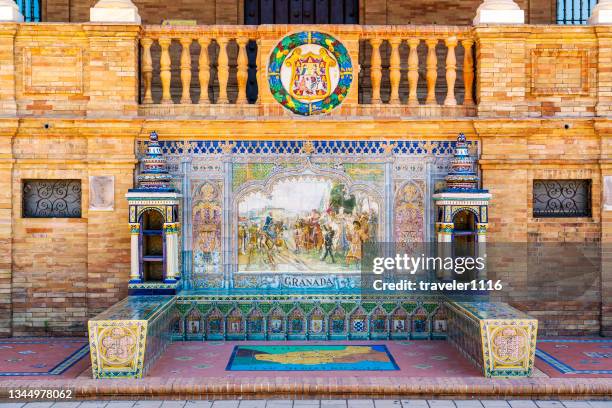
(310, 73)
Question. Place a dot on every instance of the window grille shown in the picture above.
(574, 11)
(30, 10)
(51, 199)
(561, 198)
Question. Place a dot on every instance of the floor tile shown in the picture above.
(522, 404)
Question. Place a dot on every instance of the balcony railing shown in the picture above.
(399, 70)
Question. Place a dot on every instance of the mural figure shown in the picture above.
(305, 223)
(207, 217)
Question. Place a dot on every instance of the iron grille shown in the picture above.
(51, 198)
(30, 10)
(562, 198)
(574, 11)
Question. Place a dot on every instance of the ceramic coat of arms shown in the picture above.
(310, 73)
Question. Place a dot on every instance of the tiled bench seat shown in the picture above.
(498, 338)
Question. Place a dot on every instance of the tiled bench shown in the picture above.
(497, 338)
(128, 337)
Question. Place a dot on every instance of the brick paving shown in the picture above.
(338, 403)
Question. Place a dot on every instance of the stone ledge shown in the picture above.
(311, 387)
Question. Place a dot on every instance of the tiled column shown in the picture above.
(134, 253)
(171, 231)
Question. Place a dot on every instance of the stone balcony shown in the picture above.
(433, 72)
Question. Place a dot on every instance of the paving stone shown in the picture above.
(495, 403)
(333, 403)
(66, 404)
(279, 404)
(415, 403)
(522, 404)
(11, 404)
(42, 404)
(252, 404)
(120, 404)
(441, 403)
(146, 404)
(387, 404)
(306, 404)
(173, 404)
(360, 404)
(93, 404)
(601, 404)
(199, 404)
(468, 403)
(225, 404)
(549, 404)
(576, 404)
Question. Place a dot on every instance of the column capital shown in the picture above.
(602, 13)
(9, 11)
(114, 11)
(135, 228)
(499, 12)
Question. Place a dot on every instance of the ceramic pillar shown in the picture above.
(481, 228)
(171, 230)
(499, 12)
(134, 253)
(114, 11)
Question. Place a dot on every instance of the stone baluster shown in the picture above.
(451, 71)
(432, 70)
(186, 70)
(468, 71)
(413, 71)
(243, 72)
(165, 65)
(375, 70)
(204, 69)
(258, 72)
(147, 69)
(394, 69)
(223, 70)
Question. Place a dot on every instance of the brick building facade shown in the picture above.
(72, 105)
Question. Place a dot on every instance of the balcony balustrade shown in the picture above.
(398, 70)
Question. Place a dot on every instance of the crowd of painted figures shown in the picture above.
(326, 235)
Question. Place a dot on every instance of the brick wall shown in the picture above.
(65, 270)
(449, 12)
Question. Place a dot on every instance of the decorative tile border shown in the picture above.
(566, 368)
(60, 368)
